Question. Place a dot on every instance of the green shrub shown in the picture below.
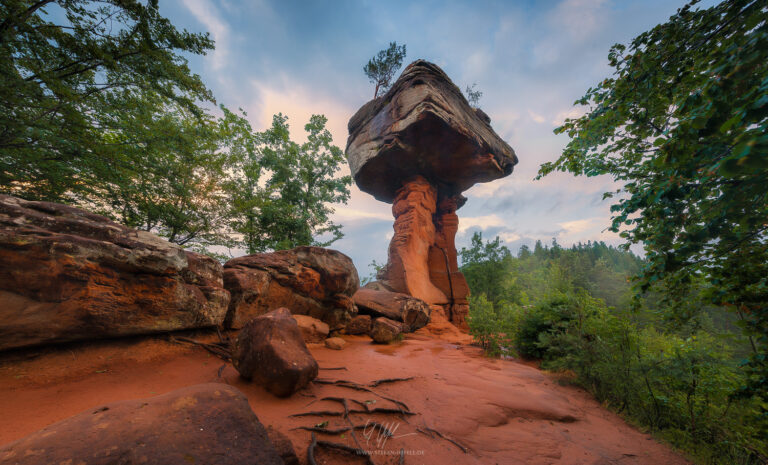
(492, 327)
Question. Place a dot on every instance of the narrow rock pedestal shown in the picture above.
(419, 147)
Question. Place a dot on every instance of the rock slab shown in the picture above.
(384, 330)
(412, 312)
(424, 126)
(335, 343)
(69, 275)
(270, 351)
(312, 329)
(311, 281)
(201, 424)
(361, 324)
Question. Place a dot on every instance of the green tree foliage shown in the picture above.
(483, 265)
(382, 67)
(66, 67)
(682, 124)
(284, 194)
(98, 108)
(675, 374)
(173, 186)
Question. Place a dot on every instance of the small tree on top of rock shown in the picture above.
(382, 67)
(473, 96)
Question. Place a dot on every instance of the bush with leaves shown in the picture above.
(493, 327)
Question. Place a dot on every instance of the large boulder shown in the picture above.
(68, 274)
(424, 126)
(270, 351)
(308, 280)
(384, 330)
(283, 446)
(412, 312)
(202, 424)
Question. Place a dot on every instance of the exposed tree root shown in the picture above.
(344, 429)
(388, 380)
(218, 348)
(359, 387)
(431, 430)
(319, 413)
(357, 452)
(342, 401)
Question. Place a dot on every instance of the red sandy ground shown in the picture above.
(504, 412)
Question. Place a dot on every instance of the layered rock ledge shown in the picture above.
(68, 275)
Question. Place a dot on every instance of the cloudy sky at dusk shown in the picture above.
(531, 60)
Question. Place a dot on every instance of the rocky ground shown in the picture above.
(504, 412)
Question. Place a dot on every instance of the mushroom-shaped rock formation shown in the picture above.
(419, 147)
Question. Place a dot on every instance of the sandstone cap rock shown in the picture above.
(424, 126)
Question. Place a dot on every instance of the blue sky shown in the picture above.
(531, 60)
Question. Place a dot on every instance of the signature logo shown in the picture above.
(380, 433)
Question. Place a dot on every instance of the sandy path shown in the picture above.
(504, 412)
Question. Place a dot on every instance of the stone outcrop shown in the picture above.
(270, 351)
(424, 125)
(68, 275)
(419, 147)
(308, 280)
(412, 312)
(206, 423)
(361, 324)
(335, 343)
(312, 329)
(384, 330)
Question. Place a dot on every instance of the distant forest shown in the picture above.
(673, 370)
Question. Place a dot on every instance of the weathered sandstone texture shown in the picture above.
(412, 312)
(384, 330)
(204, 424)
(419, 147)
(361, 324)
(66, 274)
(312, 329)
(270, 351)
(308, 280)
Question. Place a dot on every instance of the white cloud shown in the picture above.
(580, 19)
(299, 102)
(208, 15)
(573, 112)
(343, 214)
(508, 237)
(578, 226)
(483, 222)
(536, 117)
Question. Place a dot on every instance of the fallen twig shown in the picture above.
(334, 368)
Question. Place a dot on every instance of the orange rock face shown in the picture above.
(68, 275)
(422, 255)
